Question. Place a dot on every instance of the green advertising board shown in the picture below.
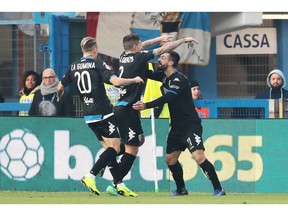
(52, 154)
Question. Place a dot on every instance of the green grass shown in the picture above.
(28, 197)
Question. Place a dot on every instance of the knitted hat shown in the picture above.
(193, 83)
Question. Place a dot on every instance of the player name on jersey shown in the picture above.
(128, 59)
(81, 66)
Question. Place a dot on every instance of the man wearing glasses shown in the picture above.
(45, 101)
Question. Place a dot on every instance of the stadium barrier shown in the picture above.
(52, 154)
(218, 108)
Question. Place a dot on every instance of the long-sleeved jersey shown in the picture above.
(177, 94)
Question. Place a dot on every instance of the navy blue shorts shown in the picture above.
(190, 138)
(106, 128)
(129, 124)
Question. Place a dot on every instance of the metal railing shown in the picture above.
(218, 108)
(235, 108)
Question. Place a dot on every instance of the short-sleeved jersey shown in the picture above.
(177, 94)
(88, 76)
(130, 66)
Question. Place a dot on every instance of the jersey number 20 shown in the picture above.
(83, 87)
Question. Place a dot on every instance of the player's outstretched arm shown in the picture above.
(162, 38)
(169, 46)
(117, 81)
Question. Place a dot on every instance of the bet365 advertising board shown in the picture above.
(52, 154)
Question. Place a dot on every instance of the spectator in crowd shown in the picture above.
(45, 102)
(195, 90)
(275, 86)
(203, 112)
(2, 100)
(31, 83)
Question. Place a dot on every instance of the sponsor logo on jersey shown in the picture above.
(88, 101)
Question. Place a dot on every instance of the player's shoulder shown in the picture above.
(145, 51)
(179, 77)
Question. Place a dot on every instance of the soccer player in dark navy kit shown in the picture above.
(185, 126)
(88, 75)
(134, 62)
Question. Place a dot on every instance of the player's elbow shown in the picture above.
(116, 81)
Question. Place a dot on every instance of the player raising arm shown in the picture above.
(134, 62)
(185, 128)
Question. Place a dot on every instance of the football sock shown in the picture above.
(209, 171)
(177, 173)
(114, 170)
(103, 160)
(126, 163)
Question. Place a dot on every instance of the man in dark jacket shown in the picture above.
(276, 83)
(45, 102)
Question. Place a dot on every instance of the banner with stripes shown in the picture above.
(110, 27)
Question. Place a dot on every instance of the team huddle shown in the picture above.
(118, 128)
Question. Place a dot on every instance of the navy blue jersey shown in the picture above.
(130, 66)
(177, 94)
(88, 76)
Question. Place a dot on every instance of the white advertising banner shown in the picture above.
(247, 41)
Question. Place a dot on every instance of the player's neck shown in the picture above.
(169, 71)
(129, 52)
(89, 55)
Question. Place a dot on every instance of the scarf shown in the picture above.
(51, 89)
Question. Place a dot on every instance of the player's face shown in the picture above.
(163, 62)
(276, 80)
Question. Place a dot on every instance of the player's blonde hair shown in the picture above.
(88, 44)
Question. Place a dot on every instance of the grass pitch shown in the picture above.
(30, 197)
(148, 203)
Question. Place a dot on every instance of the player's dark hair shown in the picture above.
(130, 40)
(174, 56)
(88, 44)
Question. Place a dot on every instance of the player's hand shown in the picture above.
(190, 40)
(139, 105)
(138, 80)
(59, 94)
